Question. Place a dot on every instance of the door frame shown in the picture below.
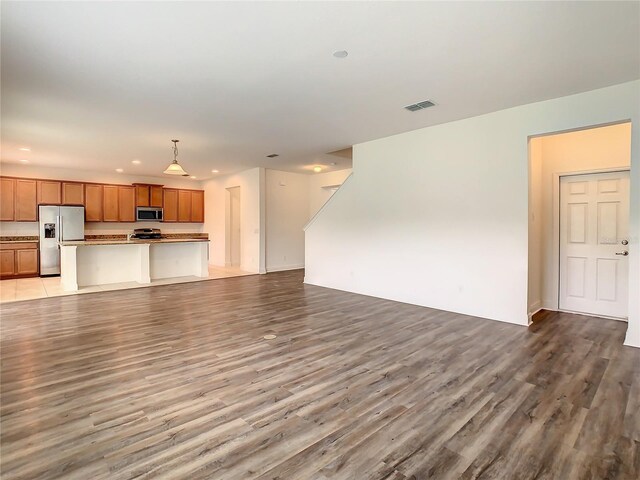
(557, 176)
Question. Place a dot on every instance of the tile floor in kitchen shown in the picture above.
(12, 290)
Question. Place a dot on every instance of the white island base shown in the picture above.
(87, 263)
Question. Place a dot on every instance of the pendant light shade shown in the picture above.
(174, 167)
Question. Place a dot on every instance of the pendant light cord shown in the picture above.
(175, 151)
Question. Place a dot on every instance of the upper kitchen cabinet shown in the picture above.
(148, 195)
(156, 196)
(7, 199)
(72, 193)
(93, 196)
(197, 206)
(49, 192)
(184, 205)
(110, 203)
(18, 200)
(26, 208)
(170, 205)
(142, 195)
(126, 204)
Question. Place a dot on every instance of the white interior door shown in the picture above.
(594, 228)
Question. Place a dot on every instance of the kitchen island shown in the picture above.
(100, 262)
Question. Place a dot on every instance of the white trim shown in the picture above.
(532, 312)
(628, 343)
(283, 268)
(313, 219)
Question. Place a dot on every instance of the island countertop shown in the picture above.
(136, 241)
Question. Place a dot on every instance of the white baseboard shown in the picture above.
(283, 268)
(630, 343)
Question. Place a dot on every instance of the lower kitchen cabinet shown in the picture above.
(19, 260)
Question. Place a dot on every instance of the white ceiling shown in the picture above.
(94, 85)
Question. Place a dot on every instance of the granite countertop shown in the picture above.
(85, 243)
(19, 239)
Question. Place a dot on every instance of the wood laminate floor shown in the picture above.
(177, 381)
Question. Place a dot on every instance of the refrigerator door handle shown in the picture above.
(59, 230)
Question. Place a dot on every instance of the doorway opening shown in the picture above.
(578, 221)
(233, 230)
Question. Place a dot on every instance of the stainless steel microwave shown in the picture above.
(148, 214)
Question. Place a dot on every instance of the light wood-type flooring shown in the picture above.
(176, 381)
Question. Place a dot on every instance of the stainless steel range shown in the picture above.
(147, 233)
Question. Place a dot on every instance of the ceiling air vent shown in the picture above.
(420, 105)
(273, 155)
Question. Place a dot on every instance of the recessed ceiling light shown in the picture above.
(25, 149)
(317, 169)
(215, 171)
(136, 162)
(119, 170)
(340, 54)
(23, 160)
(192, 177)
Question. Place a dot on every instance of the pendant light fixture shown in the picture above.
(174, 168)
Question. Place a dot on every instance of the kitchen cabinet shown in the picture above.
(26, 209)
(184, 205)
(142, 195)
(148, 195)
(7, 199)
(197, 206)
(49, 192)
(93, 202)
(156, 195)
(27, 262)
(126, 204)
(72, 193)
(7, 263)
(19, 259)
(170, 205)
(110, 203)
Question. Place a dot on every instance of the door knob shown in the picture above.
(624, 254)
(625, 242)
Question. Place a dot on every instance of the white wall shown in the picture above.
(439, 216)
(291, 200)
(535, 227)
(287, 212)
(251, 183)
(96, 228)
(593, 149)
(319, 194)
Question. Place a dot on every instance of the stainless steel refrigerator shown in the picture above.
(57, 224)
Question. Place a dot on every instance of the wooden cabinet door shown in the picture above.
(155, 196)
(26, 261)
(7, 263)
(7, 199)
(127, 204)
(184, 206)
(26, 206)
(49, 192)
(110, 203)
(72, 193)
(93, 203)
(170, 205)
(197, 206)
(142, 195)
